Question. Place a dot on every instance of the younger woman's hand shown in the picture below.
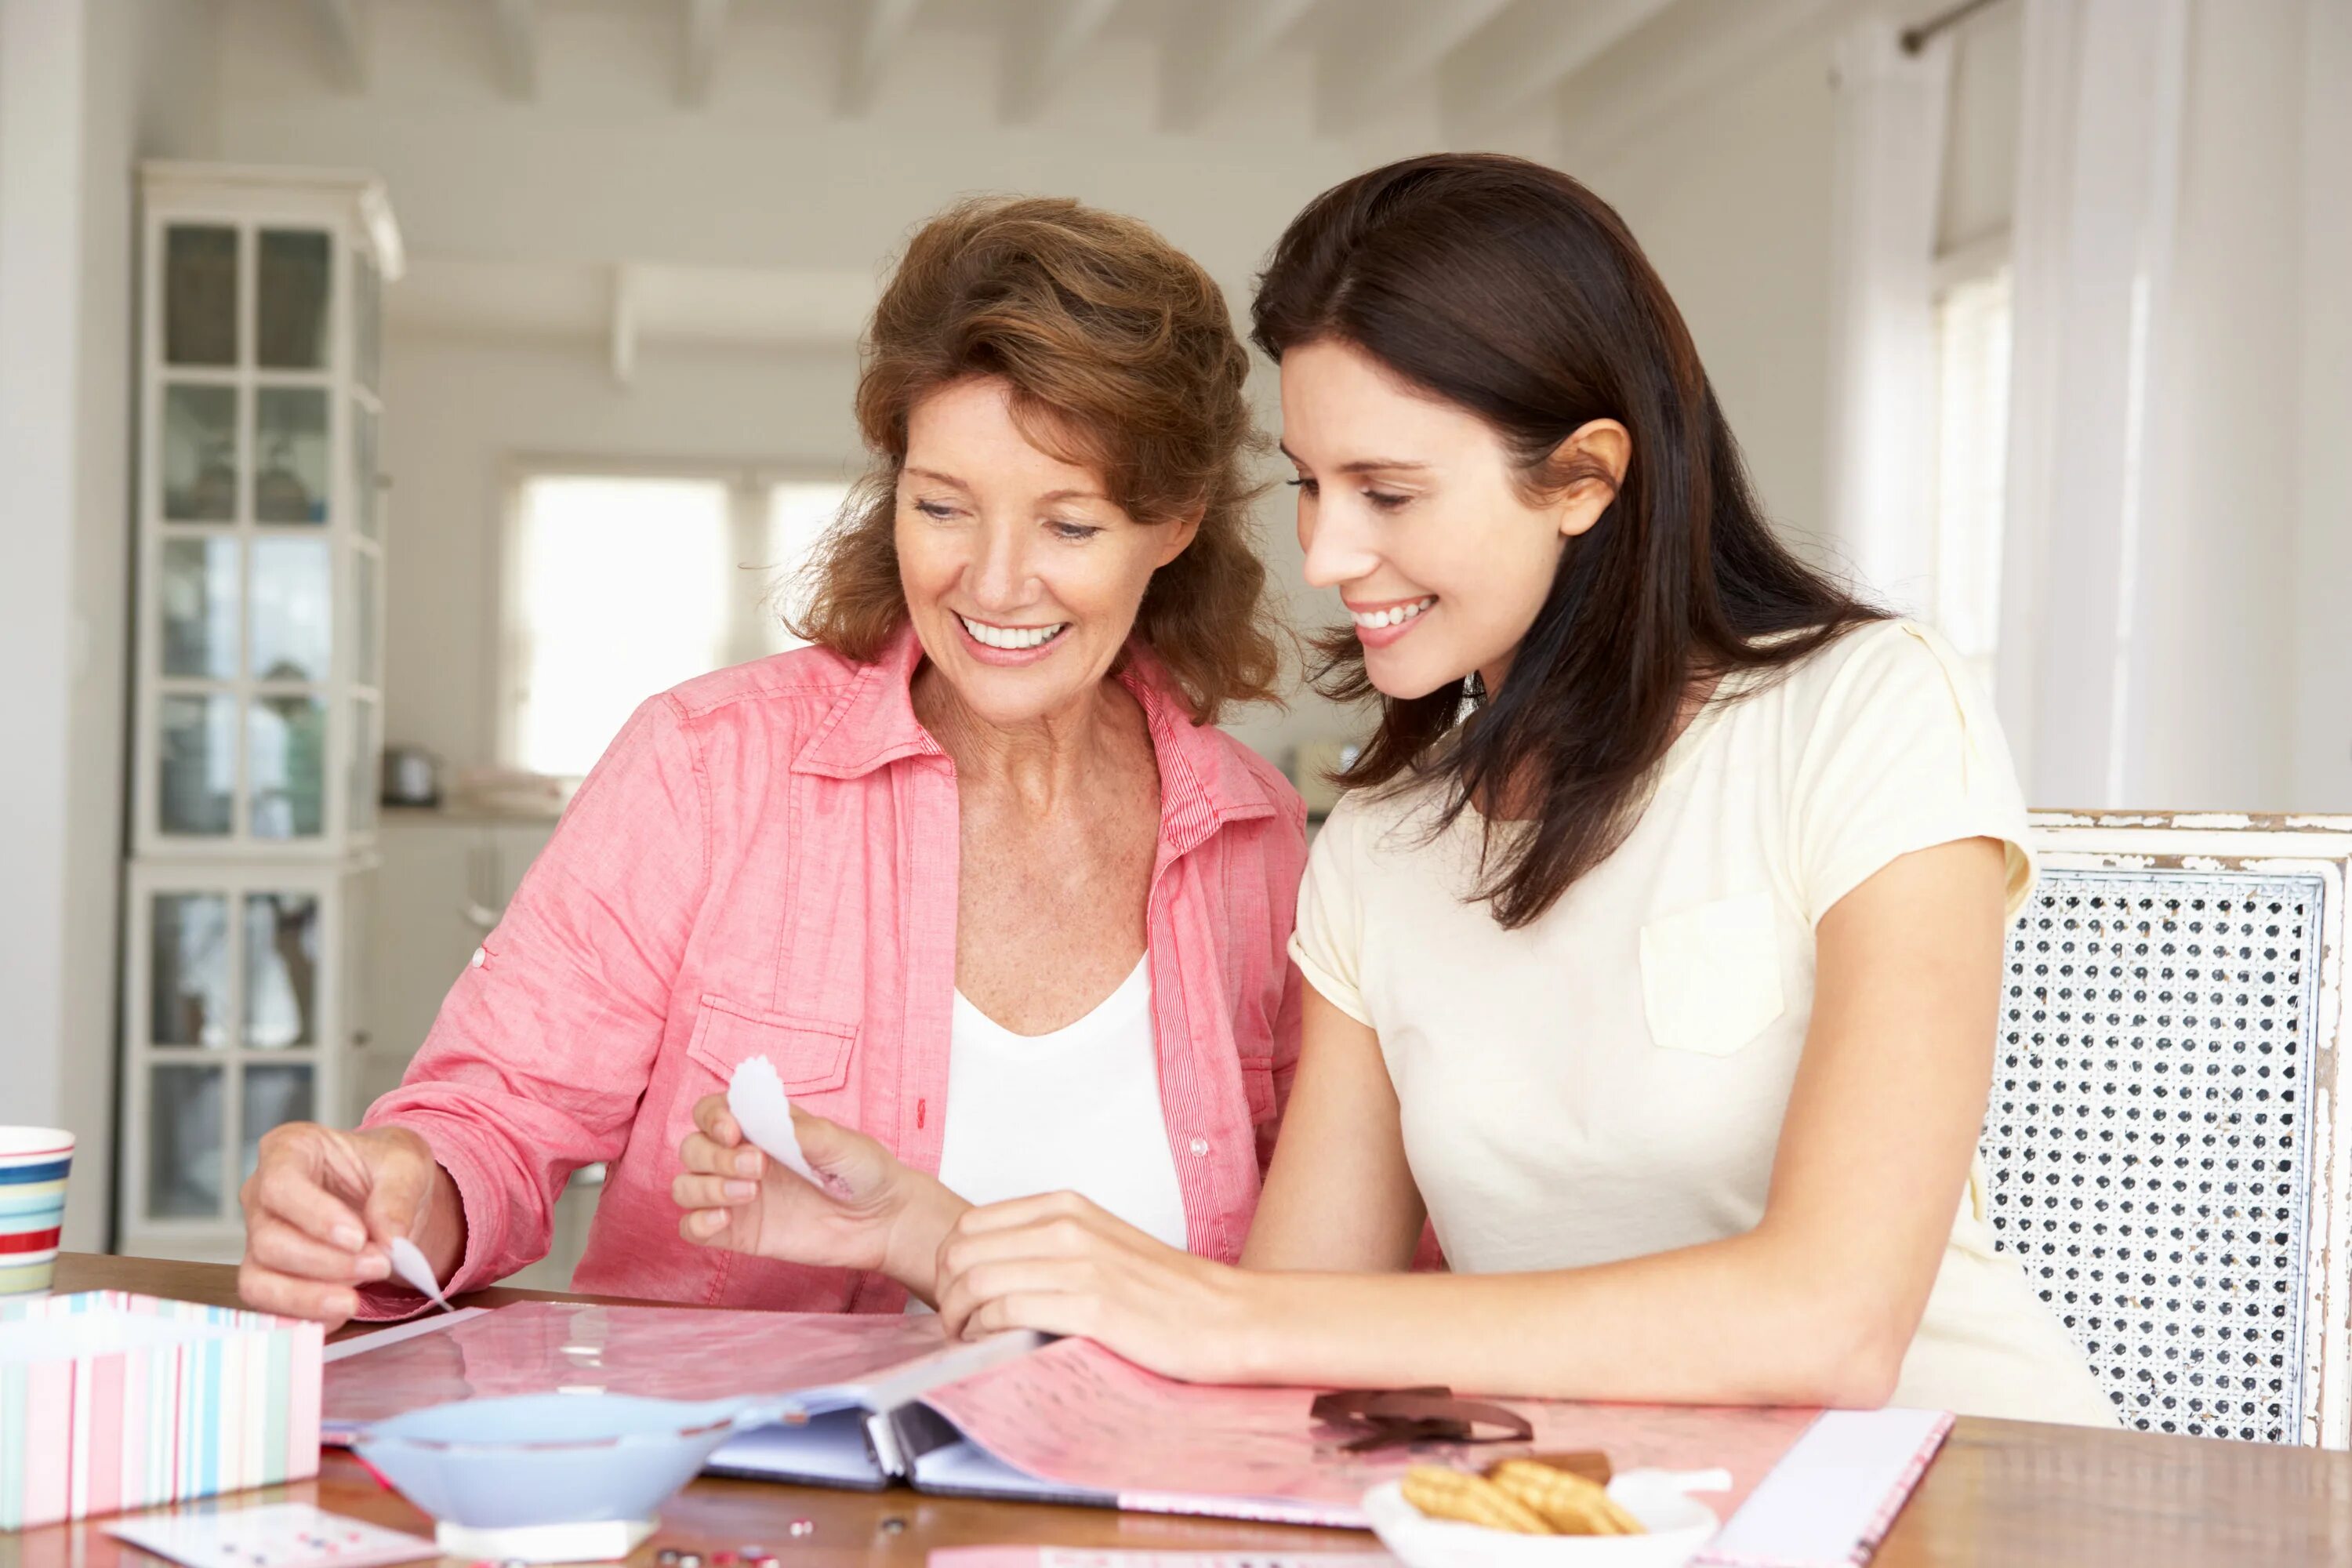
(1060, 1264)
(872, 1213)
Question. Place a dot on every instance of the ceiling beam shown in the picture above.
(1038, 54)
(1212, 52)
(1362, 73)
(706, 23)
(338, 26)
(1514, 65)
(514, 28)
(874, 39)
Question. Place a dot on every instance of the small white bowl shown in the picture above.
(1677, 1527)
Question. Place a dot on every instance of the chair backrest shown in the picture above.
(2166, 1141)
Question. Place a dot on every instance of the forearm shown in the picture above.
(1745, 1320)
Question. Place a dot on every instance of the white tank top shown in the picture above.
(1077, 1109)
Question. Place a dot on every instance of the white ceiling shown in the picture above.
(1482, 65)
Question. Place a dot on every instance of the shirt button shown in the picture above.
(479, 959)
(1200, 1145)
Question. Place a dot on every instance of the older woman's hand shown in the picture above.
(1061, 1264)
(322, 1207)
(872, 1213)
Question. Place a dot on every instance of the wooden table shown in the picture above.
(2002, 1492)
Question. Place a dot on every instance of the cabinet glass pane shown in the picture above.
(367, 765)
(199, 295)
(198, 764)
(363, 467)
(184, 1144)
(286, 762)
(281, 971)
(367, 320)
(274, 1093)
(199, 595)
(187, 995)
(293, 609)
(292, 284)
(199, 458)
(290, 470)
(367, 641)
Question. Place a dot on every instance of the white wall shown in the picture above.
(607, 167)
(87, 88)
(1712, 136)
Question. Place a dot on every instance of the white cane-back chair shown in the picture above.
(2166, 1142)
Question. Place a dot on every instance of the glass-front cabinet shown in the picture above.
(262, 532)
(241, 1012)
(263, 521)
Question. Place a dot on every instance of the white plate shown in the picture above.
(1677, 1527)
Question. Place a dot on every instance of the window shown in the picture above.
(622, 584)
(1972, 336)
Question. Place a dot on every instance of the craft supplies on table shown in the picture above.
(550, 1478)
(879, 1400)
(270, 1535)
(110, 1401)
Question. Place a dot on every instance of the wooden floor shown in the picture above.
(2002, 1494)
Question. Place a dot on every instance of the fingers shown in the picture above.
(704, 1227)
(712, 1115)
(1015, 1213)
(1046, 1312)
(705, 1154)
(967, 1245)
(273, 1245)
(286, 1185)
(267, 1290)
(965, 1301)
(399, 1182)
(697, 1192)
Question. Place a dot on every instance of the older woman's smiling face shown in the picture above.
(1022, 575)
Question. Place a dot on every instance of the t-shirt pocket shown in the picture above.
(1711, 974)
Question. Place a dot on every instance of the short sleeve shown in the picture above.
(1901, 752)
(1327, 941)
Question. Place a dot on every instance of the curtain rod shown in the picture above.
(1914, 38)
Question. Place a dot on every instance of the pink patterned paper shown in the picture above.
(662, 1352)
(1075, 1414)
(1091, 1557)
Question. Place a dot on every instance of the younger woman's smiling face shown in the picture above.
(1412, 507)
(1022, 575)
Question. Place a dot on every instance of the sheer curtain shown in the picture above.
(1890, 109)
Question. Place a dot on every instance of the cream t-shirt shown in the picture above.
(1609, 1081)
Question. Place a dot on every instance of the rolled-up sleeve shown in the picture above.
(543, 1048)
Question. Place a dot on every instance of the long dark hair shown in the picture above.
(1509, 290)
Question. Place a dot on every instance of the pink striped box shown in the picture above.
(110, 1401)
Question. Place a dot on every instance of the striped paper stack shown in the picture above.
(33, 1162)
(110, 1401)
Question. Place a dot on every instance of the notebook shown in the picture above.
(886, 1399)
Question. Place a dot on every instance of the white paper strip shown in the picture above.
(360, 1343)
(1831, 1496)
(755, 1097)
(409, 1264)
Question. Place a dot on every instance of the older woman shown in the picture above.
(974, 872)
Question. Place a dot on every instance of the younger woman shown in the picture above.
(1655, 954)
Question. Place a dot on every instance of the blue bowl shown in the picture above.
(552, 1458)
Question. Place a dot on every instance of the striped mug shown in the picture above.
(33, 1161)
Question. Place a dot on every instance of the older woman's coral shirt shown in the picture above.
(765, 863)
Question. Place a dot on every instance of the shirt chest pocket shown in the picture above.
(811, 1055)
(1711, 974)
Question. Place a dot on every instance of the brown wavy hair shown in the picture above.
(1121, 358)
(1508, 290)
